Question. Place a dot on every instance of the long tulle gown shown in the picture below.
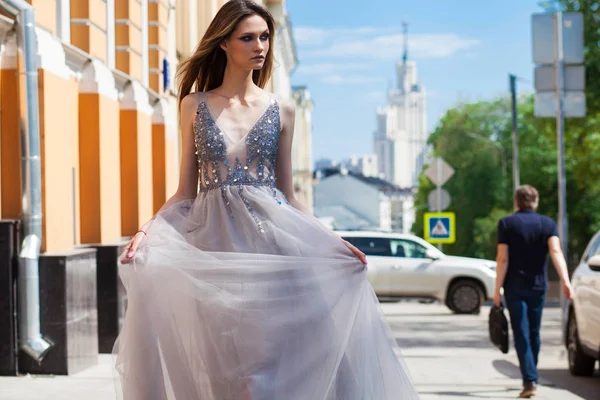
(237, 295)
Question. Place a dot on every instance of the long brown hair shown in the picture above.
(206, 66)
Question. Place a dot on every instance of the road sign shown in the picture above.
(545, 106)
(439, 171)
(558, 50)
(544, 34)
(545, 78)
(440, 227)
(438, 200)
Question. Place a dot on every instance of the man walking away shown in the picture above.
(524, 240)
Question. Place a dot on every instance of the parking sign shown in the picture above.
(440, 228)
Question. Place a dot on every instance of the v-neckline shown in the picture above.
(224, 132)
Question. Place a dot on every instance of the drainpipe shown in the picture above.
(31, 340)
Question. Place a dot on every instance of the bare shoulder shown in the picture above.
(288, 111)
(189, 103)
(287, 106)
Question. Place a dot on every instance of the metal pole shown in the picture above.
(31, 340)
(439, 191)
(515, 137)
(560, 131)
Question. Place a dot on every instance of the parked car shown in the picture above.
(582, 318)
(407, 266)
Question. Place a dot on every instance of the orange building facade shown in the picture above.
(108, 112)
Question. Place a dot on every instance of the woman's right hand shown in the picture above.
(131, 248)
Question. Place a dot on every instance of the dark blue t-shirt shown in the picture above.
(526, 233)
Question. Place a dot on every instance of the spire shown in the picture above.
(405, 34)
(402, 67)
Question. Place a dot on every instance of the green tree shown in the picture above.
(464, 138)
(583, 135)
(468, 137)
(479, 194)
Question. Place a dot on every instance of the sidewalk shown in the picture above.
(449, 357)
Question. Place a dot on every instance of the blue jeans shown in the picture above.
(525, 309)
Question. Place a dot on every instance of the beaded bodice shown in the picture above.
(223, 163)
(250, 161)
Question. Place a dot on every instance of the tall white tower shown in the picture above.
(401, 135)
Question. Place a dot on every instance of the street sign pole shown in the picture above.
(560, 90)
(515, 138)
(438, 173)
(439, 192)
(560, 132)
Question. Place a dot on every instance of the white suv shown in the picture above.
(407, 266)
(582, 327)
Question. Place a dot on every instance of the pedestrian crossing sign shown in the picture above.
(440, 227)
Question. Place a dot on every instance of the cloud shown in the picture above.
(313, 36)
(328, 68)
(380, 43)
(307, 35)
(391, 47)
(337, 79)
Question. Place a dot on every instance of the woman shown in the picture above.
(234, 290)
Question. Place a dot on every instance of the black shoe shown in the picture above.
(529, 390)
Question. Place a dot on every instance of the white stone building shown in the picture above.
(286, 61)
(285, 50)
(302, 147)
(363, 165)
(345, 200)
(401, 137)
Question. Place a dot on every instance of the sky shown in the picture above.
(348, 51)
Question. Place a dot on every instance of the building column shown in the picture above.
(10, 142)
(110, 34)
(63, 20)
(128, 39)
(137, 195)
(158, 16)
(89, 27)
(165, 160)
(172, 44)
(58, 107)
(59, 148)
(100, 183)
(192, 25)
(144, 31)
(45, 14)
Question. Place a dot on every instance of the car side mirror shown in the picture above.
(594, 263)
(432, 255)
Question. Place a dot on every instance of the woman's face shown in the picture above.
(248, 45)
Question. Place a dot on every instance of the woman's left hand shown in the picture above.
(359, 254)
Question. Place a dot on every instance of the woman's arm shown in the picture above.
(188, 174)
(285, 178)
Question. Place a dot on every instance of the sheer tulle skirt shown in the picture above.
(218, 310)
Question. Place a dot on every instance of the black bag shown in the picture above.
(498, 327)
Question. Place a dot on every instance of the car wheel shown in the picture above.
(465, 297)
(580, 364)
